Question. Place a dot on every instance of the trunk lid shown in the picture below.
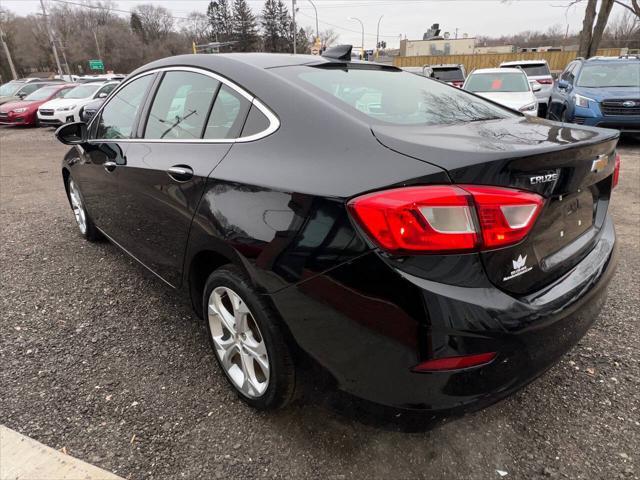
(571, 167)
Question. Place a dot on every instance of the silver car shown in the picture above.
(536, 71)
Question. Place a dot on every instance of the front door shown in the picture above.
(190, 127)
(106, 152)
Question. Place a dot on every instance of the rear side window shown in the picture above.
(497, 82)
(119, 114)
(532, 69)
(181, 106)
(396, 97)
(227, 115)
(256, 122)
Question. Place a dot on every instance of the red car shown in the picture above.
(25, 112)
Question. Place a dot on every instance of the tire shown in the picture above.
(563, 116)
(86, 226)
(247, 340)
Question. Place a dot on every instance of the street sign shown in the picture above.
(96, 65)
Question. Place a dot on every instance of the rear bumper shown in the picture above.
(369, 339)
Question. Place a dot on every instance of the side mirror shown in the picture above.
(21, 95)
(74, 133)
(563, 84)
(102, 95)
(536, 87)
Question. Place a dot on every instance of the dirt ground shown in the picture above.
(101, 359)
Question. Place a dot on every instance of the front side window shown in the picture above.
(614, 75)
(119, 114)
(497, 82)
(30, 88)
(181, 106)
(396, 97)
(106, 90)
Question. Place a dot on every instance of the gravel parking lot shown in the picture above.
(100, 359)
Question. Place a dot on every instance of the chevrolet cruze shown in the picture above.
(416, 245)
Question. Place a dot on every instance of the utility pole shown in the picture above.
(66, 63)
(8, 54)
(362, 44)
(95, 37)
(456, 33)
(317, 27)
(53, 43)
(295, 40)
(378, 35)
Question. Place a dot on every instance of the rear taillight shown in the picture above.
(616, 171)
(446, 218)
(545, 81)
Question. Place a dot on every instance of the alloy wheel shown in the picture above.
(78, 207)
(238, 342)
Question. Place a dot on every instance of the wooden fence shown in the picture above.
(556, 60)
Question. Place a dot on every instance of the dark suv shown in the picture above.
(600, 91)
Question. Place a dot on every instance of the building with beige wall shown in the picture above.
(449, 46)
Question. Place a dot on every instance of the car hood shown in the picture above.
(8, 98)
(600, 94)
(17, 104)
(513, 100)
(461, 145)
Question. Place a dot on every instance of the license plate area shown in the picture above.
(566, 218)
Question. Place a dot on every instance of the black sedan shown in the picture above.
(415, 245)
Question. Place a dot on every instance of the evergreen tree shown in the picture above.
(285, 33)
(136, 27)
(245, 29)
(302, 42)
(219, 16)
(270, 26)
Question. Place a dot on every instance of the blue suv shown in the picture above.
(600, 91)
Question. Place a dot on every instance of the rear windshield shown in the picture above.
(532, 69)
(453, 74)
(613, 75)
(397, 97)
(497, 82)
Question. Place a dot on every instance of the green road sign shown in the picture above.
(96, 65)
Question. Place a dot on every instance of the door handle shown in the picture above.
(180, 173)
(110, 166)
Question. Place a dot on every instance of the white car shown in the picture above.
(68, 108)
(506, 86)
(537, 71)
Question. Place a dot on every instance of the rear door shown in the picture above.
(190, 125)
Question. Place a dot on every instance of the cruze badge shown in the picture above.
(519, 268)
(549, 177)
(600, 163)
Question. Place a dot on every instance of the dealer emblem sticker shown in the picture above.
(519, 268)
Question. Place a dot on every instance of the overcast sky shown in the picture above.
(408, 18)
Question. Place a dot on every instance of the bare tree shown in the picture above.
(196, 27)
(156, 22)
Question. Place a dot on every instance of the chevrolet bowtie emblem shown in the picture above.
(600, 163)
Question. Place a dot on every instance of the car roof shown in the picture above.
(525, 62)
(497, 70)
